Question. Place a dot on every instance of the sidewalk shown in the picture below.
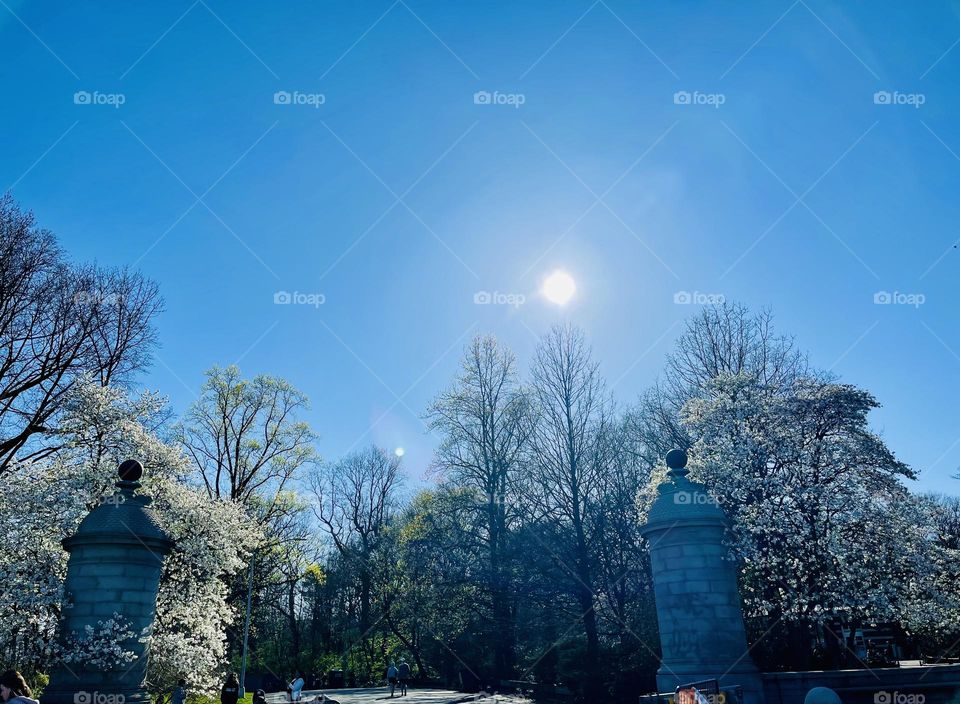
(381, 695)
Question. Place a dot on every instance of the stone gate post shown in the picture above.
(116, 557)
(702, 634)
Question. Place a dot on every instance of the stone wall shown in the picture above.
(935, 684)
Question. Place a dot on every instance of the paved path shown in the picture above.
(381, 695)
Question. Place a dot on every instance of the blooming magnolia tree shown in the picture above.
(824, 527)
(101, 646)
(48, 499)
(934, 610)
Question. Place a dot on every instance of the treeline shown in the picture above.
(522, 558)
(524, 561)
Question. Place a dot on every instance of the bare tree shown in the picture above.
(623, 577)
(245, 438)
(568, 461)
(725, 338)
(485, 422)
(285, 563)
(356, 497)
(59, 324)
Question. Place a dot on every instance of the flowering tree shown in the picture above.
(934, 609)
(824, 527)
(101, 427)
(102, 646)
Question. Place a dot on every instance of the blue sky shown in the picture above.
(801, 156)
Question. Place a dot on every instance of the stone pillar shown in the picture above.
(116, 557)
(702, 635)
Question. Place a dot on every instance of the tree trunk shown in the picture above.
(502, 617)
(591, 687)
(294, 626)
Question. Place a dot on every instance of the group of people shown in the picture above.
(398, 676)
(14, 689)
(230, 692)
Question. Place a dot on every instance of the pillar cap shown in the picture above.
(680, 500)
(124, 517)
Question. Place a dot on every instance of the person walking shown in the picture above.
(392, 678)
(13, 688)
(403, 676)
(179, 694)
(230, 692)
(296, 687)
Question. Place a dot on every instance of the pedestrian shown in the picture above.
(260, 697)
(179, 695)
(13, 688)
(392, 678)
(296, 687)
(403, 676)
(230, 692)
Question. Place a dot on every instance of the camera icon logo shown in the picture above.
(82, 97)
(482, 97)
(882, 97)
(82, 698)
(482, 298)
(682, 97)
(882, 298)
(683, 498)
(282, 298)
(682, 298)
(882, 697)
(282, 97)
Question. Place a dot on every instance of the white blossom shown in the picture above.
(46, 500)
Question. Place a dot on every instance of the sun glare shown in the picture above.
(559, 287)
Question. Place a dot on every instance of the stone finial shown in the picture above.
(677, 462)
(677, 468)
(129, 474)
(130, 471)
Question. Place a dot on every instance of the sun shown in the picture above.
(399, 452)
(559, 287)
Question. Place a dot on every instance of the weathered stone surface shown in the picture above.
(695, 586)
(116, 557)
